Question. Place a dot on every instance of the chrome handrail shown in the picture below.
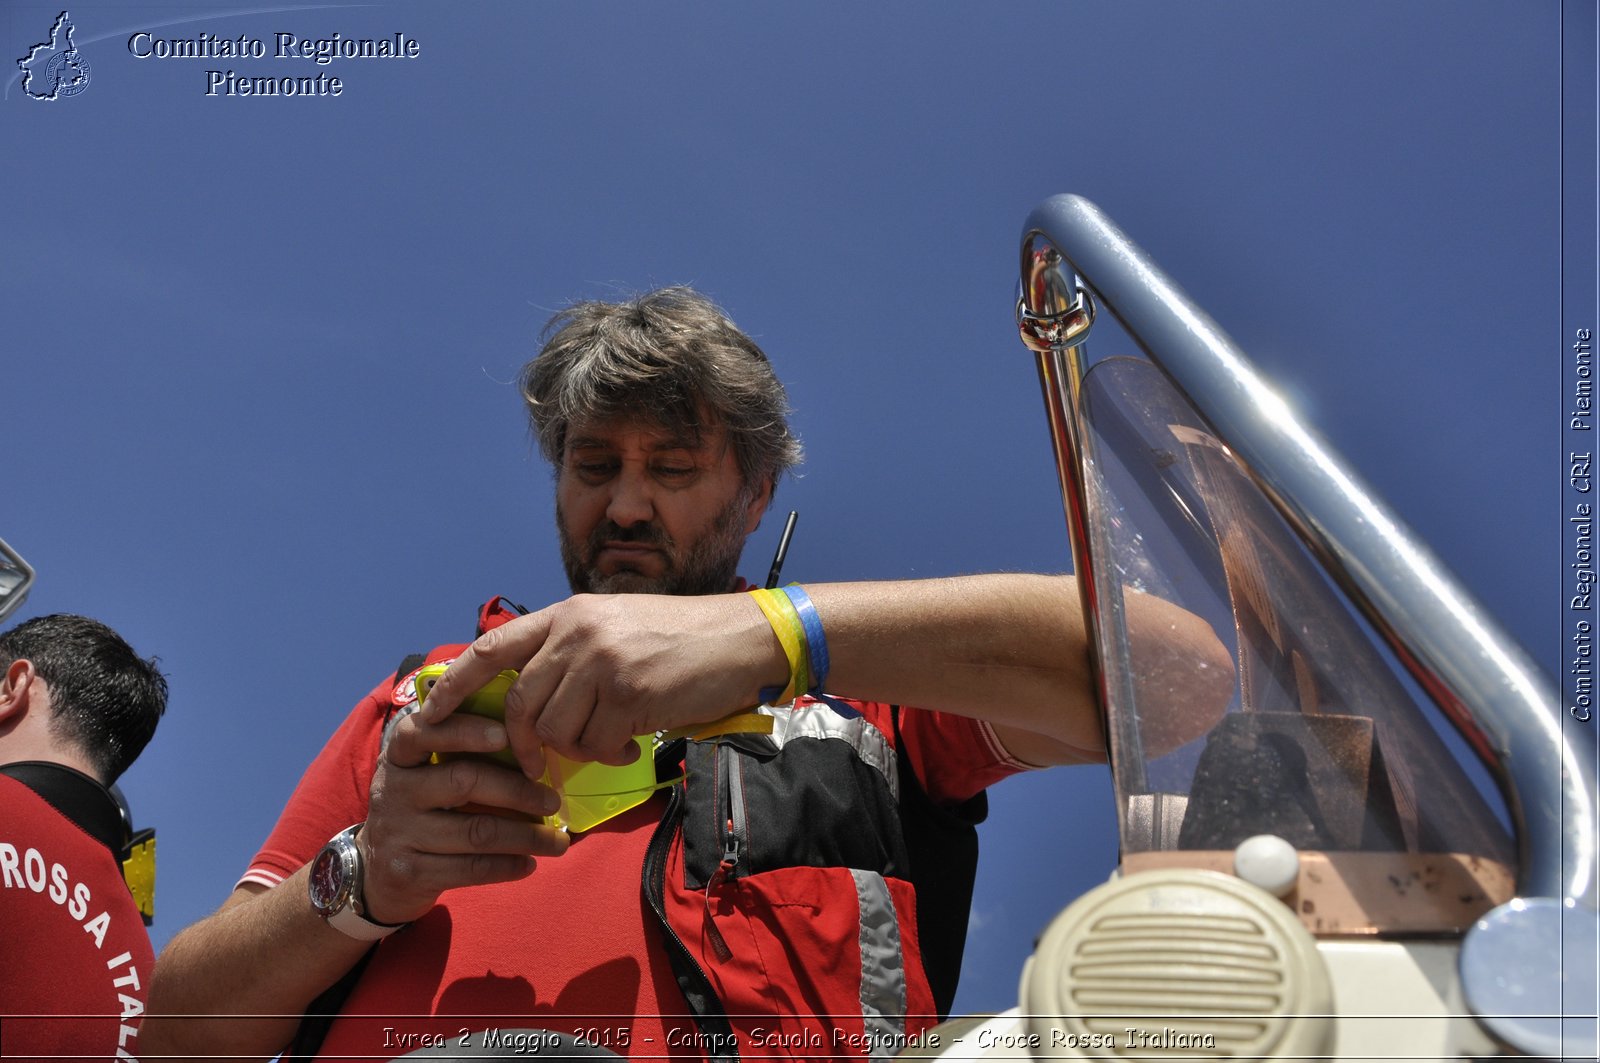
(1487, 685)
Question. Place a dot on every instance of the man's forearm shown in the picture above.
(1006, 648)
(1012, 649)
(234, 984)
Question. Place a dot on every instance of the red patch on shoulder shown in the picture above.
(405, 691)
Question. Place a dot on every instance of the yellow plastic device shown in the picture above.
(591, 793)
(139, 872)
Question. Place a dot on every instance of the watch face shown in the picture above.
(327, 879)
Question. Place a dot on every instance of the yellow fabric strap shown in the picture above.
(624, 793)
(740, 723)
(791, 632)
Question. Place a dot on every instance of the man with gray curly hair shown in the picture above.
(794, 877)
(670, 360)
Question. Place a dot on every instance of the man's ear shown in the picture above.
(758, 507)
(15, 687)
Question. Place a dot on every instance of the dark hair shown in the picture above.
(671, 356)
(105, 699)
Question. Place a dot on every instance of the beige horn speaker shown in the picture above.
(1178, 964)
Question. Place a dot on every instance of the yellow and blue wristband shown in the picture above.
(797, 625)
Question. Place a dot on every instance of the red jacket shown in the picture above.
(75, 958)
(806, 893)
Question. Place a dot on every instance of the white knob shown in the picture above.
(1269, 862)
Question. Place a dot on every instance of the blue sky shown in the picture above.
(259, 356)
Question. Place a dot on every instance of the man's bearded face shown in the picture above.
(643, 510)
(709, 565)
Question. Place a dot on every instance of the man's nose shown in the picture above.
(632, 501)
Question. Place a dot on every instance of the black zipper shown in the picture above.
(727, 778)
(736, 830)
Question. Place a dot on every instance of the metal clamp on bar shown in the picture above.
(1053, 310)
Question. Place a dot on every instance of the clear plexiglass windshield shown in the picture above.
(1322, 743)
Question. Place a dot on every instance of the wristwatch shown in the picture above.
(335, 887)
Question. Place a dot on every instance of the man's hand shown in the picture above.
(596, 670)
(429, 827)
